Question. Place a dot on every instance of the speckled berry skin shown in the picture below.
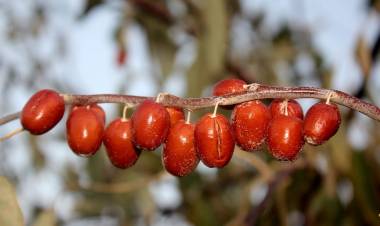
(322, 121)
(84, 131)
(249, 123)
(285, 137)
(96, 109)
(228, 86)
(175, 114)
(277, 107)
(179, 156)
(214, 140)
(118, 142)
(150, 125)
(42, 112)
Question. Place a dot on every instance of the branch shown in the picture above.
(254, 91)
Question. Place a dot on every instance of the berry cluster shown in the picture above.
(211, 140)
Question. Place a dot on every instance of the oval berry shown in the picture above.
(214, 140)
(118, 142)
(250, 122)
(179, 156)
(285, 137)
(150, 125)
(175, 114)
(321, 123)
(84, 131)
(99, 112)
(228, 86)
(42, 111)
(277, 107)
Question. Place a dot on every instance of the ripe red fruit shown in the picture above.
(99, 112)
(118, 142)
(285, 137)
(277, 107)
(321, 122)
(175, 114)
(84, 131)
(228, 86)
(42, 111)
(150, 125)
(250, 122)
(179, 156)
(96, 109)
(121, 56)
(214, 140)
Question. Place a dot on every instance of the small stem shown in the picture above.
(286, 107)
(215, 110)
(124, 117)
(329, 97)
(11, 134)
(188, 117)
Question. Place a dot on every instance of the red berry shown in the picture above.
(42, 111)
(84, 131)
(118, 141)
(175, 114)
(214, 140)
(150, 125)
(321, 122)
(179, 156)
(121, 57)
(277, 107)
(99, 112)
(228, 86)
(285, 137)
(250, 122)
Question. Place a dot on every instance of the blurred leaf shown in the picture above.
(10, 212)
(363, 56)
(46, 218)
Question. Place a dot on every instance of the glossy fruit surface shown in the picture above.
(285, 137)
(321, 123)
(42, 111)
(214, 140)
(99, 112)
(84, 131)
(250, 122)
(278, 106)
(118, 142)
(179, 156)
(150, 125)
(228, 86)
(175, 114)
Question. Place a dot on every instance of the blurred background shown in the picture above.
(142, 47)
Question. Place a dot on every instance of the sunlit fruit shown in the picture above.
(289, 107)
(150, 125)
(179, 156)
(42, 111)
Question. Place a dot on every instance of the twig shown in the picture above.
(9, 118)
(259, 92)
(11, 134)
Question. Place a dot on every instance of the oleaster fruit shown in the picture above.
(179, 156)
(285, 137)
(250, 122)
(175, 114)
(42, 112)
(118, 142)
(214, 140)
(84, 130)
(150, 125)
(285, 106)
(229, 86)
(322, 121)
